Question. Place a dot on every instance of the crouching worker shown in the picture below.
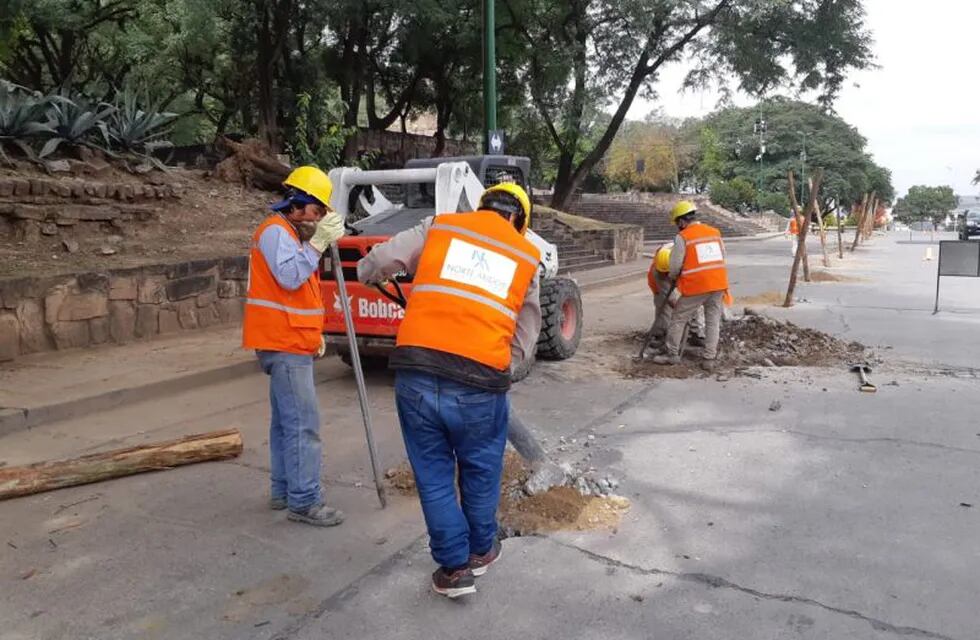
(472, 316)
(658, 280)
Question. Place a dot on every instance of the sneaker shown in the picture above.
(319, 515)
(665, 359)
(277, 504)
(480, 563)
(708, 365)
(453, 583)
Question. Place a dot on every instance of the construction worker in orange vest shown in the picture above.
(700, 278)
(660, 285)
(284, 325)
(472, 317)
(793, 232)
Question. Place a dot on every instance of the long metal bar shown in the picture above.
(391, 176)
(355, 358)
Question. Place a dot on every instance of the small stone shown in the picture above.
(591, 437)
(106, 250)
(768, 363)
(57, 166)
(49, 229)
(776, 405)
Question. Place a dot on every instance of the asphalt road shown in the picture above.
(841, 515)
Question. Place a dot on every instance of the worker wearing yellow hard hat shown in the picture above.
(474, 314)
(699, 279)
(283, 323)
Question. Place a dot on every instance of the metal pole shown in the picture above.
(935, 309)
(355, 359)
(489, 73)
(803, 169)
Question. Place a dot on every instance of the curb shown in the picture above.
(13, 420)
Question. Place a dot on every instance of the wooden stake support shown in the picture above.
(46, 476)
(804, 228)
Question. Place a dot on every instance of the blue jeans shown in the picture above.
(294, 433)
(446, 424)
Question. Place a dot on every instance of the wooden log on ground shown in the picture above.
(46, 476)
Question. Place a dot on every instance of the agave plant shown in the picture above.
(76, 121)
(139, 131)
(21, 115)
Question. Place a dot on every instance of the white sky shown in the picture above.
(920, 111)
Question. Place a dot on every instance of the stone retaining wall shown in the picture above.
(80, 310)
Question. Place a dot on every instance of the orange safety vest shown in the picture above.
(469, 287)
(704, 261)
(794, 226)
(651, 276)
(277, 319)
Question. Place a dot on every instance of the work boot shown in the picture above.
(695, 341)
(319, 515)
(480, 563)
(666, 359)
(277, 504)
(453, 583)
(709, 364)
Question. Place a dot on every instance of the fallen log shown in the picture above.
(46, 476)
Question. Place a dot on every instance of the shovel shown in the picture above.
(863, 370)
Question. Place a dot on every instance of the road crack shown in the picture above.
(718, 582)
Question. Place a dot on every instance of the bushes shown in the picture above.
(778, 202)
(38, 125)
(736, 194)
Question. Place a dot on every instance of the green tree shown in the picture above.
(831, 143)
(925, 203)
(587, 52)
(736, 194)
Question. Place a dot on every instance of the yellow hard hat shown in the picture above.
(311, 181)
(661, 260)
(681, 209)
(488, 201)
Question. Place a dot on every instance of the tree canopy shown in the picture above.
(925, 203)
(568, 70)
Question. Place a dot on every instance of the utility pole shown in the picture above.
(489, 73)
(760, 128)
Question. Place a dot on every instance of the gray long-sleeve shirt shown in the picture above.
(401, 254)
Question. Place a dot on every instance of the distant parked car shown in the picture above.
(970, 225)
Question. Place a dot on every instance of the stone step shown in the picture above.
(584, 266)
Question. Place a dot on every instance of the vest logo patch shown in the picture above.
(478, 267)
(709, 252)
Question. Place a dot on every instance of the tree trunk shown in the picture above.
(800, 238)
(804, 229)
(840, 236)
(272, 20)
(859, 222)
(45, 476)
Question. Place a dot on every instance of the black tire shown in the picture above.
(368, 363)
(561, 319)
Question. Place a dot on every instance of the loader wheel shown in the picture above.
(561, 319)
(368, 363)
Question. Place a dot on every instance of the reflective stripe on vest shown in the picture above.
(469, 287)
(699, 277)
(277, 319)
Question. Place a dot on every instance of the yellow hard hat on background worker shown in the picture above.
(661, 260)
(681, 209)
(501, 198)
(307, 185)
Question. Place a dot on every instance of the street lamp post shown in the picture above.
(802, 169)
(760, 128)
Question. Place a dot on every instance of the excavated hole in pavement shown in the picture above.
(557, 509)
(751, 340)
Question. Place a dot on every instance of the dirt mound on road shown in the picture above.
(558, 509)
(755, 340)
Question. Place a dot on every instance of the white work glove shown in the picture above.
(328, 230)
(322, 351)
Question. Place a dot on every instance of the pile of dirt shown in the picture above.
(558, 509)
(754, 340)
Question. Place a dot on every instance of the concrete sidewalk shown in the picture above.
(62, 384)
